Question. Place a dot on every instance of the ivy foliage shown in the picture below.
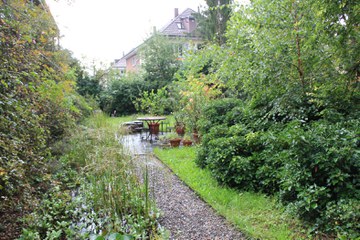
(38, 102)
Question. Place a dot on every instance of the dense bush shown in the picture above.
(155, 103)
(313, 167)
(217, 119)
(121, 93)
(321, 169)
(294, 65)
(87, 85)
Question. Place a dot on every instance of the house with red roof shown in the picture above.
(183, 26)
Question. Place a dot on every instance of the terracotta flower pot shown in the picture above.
(180, 130)
(175, 142)
(154, 128)
(187, 143)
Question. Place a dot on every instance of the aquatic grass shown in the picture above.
(111, 186)
(254, 214)
(107, 197)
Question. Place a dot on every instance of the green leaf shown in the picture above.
(96, 237)
(127, 237)
(118, 236)
(313, 205)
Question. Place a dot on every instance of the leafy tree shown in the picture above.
(295, 67)
(288, 57)
(160, 58)
(212, 22)
(120, 93)
(154, 103)
(87, 85)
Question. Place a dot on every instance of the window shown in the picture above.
(180, 25)
(134, 61)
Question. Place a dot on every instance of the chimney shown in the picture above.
(176, 12)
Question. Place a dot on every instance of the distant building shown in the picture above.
(183, 26)
(120, 65)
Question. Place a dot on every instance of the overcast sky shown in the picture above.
(103, 30)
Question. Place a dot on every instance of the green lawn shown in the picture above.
(254, 214)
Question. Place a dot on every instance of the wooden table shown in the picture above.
(153, 123)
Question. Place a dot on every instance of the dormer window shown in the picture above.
(180, 25)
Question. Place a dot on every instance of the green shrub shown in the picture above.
(54, 219)
(343, 217)
(322, 168)
(154, 102)
(222, 111)
(312, 167)
(120, 94)
(218, 116)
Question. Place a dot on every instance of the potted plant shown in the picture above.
(197, 91)
(179, 123)
(174, 139)
(187, 141)
(192, 123)
(180, 128)
(154, 128)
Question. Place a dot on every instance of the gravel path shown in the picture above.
(183, 212)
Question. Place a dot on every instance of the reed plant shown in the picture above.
(110, 184)
(106, 198)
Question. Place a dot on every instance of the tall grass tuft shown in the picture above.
(111, 187)
(105, 198)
